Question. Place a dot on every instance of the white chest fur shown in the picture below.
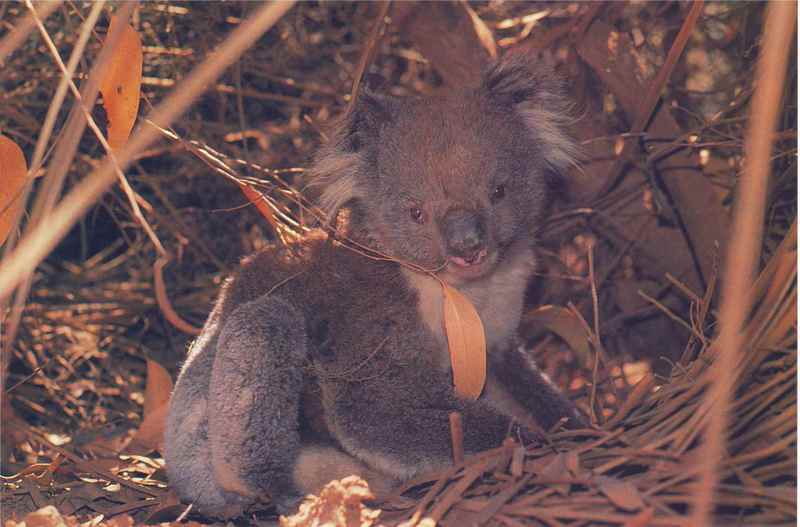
(498, 299)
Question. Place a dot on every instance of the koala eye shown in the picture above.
(498, 193)
(417, 215)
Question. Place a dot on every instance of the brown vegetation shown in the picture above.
(692, 392)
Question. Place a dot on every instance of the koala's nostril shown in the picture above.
(469, 244)
(464, 233)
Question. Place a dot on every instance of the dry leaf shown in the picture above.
(49, 516)
(517, 462)
(120, 520)
(338, 504)
(169, 507)
(573, 462)
(121, 84)
(158, 388)
(150, 435)
(13, 174)
(562, 466)
(45, 517)
(256, 198)
(623, 494)
(566, 325)
(466, 341)
(642, 519)
(415, 522)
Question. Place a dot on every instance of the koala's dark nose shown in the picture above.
(464, 233)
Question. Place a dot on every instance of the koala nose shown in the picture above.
(464, 234)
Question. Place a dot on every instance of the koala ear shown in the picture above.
(532, 88)
(365, 117)
(338, 168)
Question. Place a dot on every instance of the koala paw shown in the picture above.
(288, 504)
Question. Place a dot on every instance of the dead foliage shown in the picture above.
(339, 503)
(625, 314)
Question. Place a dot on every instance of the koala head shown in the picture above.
(450, 182)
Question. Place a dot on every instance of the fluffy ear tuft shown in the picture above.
(532, 87)
(338, 167)
(361, 124)
(334, 180)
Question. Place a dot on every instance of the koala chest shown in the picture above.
(363, 320)
(498, 298)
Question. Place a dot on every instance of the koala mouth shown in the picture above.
(474, 266)
(475, 259)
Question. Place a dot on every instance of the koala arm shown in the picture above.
(254, 399)
(520, 379)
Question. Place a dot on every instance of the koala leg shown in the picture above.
(405, 441)
(255, 390)
(318, 465)
(187, 450)
(522, 384)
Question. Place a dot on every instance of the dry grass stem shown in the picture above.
(36, 245)
(743, 255)
(132, 198)
(33, 18)
(54, 179)
(16, 37)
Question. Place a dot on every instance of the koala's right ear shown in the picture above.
(338, 170)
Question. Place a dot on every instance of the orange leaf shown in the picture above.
(150, 435)
(623, 494)
(466, 341)
(565, 324)
(120, 85)
(256, 198)
(562, 466)
(642, 519)
(158, 388)
(13, 174)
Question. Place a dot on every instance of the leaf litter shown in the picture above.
(78, 379)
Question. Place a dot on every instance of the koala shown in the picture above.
(321, 359)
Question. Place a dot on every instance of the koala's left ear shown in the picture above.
(338, 170)
(532, 88)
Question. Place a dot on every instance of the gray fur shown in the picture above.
(318, 361)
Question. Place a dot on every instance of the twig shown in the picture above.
(133, 199)
(12, 324)
(43, 238)
(370, 50)
(595, 298)
(255, 94)
(126, 187)
(591, 337)
(163, 299)
(51, 188)
(63, 86)
(667, 311)
(683, 288)
(15, 38)
(742, 257)
(653, 95)
(457, 436)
